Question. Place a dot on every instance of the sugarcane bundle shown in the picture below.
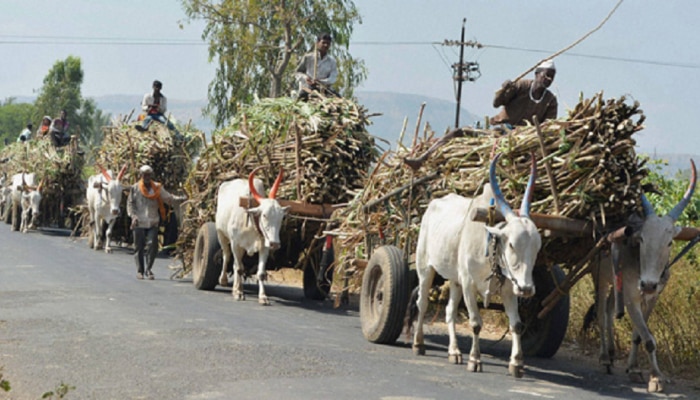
(596, 174)
(171, 160)
(60, 170)
(322, 146)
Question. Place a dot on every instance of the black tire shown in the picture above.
(542, 337)
(315, 288)
(384, 295)
(16, 216)
(7, 213)
(205, 268)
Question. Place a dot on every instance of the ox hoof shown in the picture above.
(419, 349)
(239, 296)
(264, 301)
(474, 366)
(655, 385)
(455, 358)
(516, 370)
(108, 251)
(223, 281)
(635, 375)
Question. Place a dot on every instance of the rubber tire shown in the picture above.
(16, 217)
(384, 295)
(312, 290)
(205, 268)
(7, 214)
(542, 337)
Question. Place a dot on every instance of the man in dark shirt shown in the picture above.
(526, 98)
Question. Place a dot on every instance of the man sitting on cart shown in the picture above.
(521, 100)
(155, 104)
(317, 70)
(527, 98)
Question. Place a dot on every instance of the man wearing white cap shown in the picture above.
(146, 209)
(526, 98)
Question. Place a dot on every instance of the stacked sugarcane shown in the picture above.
(322, 146)
(591, 158)
(170, 158)
(60, 170)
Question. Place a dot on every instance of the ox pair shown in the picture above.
(253, 230)
(26, 196)
(635, 273)
(454, 246)
(104, 197)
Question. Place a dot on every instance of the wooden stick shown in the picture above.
(571, 45)
(547, 166)
(415, 134)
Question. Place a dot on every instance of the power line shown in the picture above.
(113, 41)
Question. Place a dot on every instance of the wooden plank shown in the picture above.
(299, 208)
(687, 233)
(543, 221)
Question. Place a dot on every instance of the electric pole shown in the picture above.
(463, 71)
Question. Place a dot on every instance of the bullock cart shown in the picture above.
(589, 181)
(60, 170)
(325, 152)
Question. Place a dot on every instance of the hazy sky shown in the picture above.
(648, 51)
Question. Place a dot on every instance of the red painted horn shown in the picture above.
(122, 172)
(276, 185)
(251, 186)
(104, 173)
(676, 212)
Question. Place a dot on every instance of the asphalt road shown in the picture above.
(73, 315)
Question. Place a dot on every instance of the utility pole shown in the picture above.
(468, 71)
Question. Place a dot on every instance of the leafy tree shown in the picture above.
(672, 190)
(14, 118)
(255, 42)
(61, 91)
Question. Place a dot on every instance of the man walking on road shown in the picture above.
(146, 207)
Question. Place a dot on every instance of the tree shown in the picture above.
(255, 42)
(61, 91)
(14, 118)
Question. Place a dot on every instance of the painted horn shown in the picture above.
(676, 212)
(502, 204)
(530, 189)
(41, 184)
(647, 207)
(276, 185)
(104, 172)
(251, 186)
(122, 172)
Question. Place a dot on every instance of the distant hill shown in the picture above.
(396, 107)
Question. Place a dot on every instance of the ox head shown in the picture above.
(113, 187)
(518, 237)
(655, 238)
(268, 213)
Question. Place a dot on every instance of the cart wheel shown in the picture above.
(16, 216)
(384, 295)
(318, 276)
(205, 268)
(7, 214)
(542, 337)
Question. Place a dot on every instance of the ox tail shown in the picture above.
(411, 313)
(588, 319)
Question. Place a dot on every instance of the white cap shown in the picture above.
(547, 64)
(146, 170)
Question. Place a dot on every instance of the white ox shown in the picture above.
(254, 230)
(104, 196)
(457, 248)
(640, 264)
(27, 197)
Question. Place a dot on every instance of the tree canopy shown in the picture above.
(254, 43)
(14, 118)
(62, 91)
